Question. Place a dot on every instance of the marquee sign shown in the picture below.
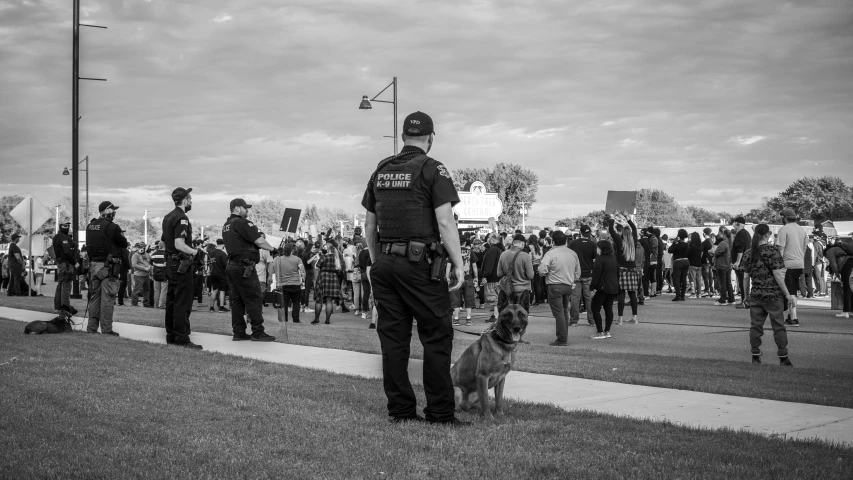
(477, 204)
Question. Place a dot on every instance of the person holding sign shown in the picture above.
(624, 242)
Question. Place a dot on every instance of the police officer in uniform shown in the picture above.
(409, 201)
(243, 242)
(104, 241)
(178, 237)
(67, 263)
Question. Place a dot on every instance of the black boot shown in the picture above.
(756, 359)
(783, 361)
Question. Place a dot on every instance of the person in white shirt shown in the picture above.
(792, 241)
(261, 270)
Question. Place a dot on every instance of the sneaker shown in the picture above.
(308, 310)
(455, 322)
(607, 334)
(364, 316)
(842, 315)
(224, 310)
(468, 322)
(357, 313)
(783, 361)
(558, 344)
(212, 309)
(756, 359)
(794, 323)
(491, 319)
(598, 336)
(632, 321)
(262, 337)
(240, 336)
(372, 326)
(720, 304)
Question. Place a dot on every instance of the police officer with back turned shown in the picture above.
(409, 201)
(104, 242)
(180, 256)
(67, 263)
(243, 242)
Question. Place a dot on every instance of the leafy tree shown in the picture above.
(816, 198)
(702, 216)
(266, 214)
(514, 185)
(594, 220)
(656, 207)
(328, 218)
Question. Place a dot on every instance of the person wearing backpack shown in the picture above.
(840, 257)
(515, 268)
(561, 268)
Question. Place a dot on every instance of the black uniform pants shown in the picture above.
(179, 304)
(246, 299)
(402, 291)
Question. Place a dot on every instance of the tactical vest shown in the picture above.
(98, 246)
(404, 201)
(237, 247)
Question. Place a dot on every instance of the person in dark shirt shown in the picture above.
(765, 287)
(490, 274)
(105, 244)
(680, 265)
(159, 276)
(605, 284)
(694, 256)
(218, 260)
(65, 252)
(363, 264)
(740, 245)
(178, 237)
(707, 261)
(307, 252)
(16, 267)
(624, 245)
(587, 251)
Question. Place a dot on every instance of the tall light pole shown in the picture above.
(75, 121)
(76, 202)
(365, 105)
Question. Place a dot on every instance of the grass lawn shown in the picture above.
(88, 406)
(807, 385)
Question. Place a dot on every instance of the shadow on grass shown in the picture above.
(88, 406)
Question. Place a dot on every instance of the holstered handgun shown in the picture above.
(439, 264)
(186, 262)
(113, 266)
(249, 268)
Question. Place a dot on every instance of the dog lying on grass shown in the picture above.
(485, 363)
(60, 324)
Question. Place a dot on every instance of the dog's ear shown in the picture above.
(524, 301)
(503, 301)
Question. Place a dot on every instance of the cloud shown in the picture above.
(259, 99)
(743, 140)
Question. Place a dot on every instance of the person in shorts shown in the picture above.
(464, 295)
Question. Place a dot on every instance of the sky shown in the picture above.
(718, 103)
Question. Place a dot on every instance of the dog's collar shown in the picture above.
(504, 344)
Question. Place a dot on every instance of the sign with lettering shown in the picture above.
(477, 204)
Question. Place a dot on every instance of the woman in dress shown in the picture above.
(328, 288)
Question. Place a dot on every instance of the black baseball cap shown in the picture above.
(585, 229)
(105, 205)
(739, 219)
(239, 202)
(180, 193)
(16, 236)
(67, 222)
(418, 124)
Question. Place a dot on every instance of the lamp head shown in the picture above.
(365, 103)
(65, 171)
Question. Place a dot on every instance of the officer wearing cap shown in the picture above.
(178, 237)
(409, 201)
(104, 241)
(67, 263)
(243, 242)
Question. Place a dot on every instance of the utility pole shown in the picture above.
(523, 212)
(75, 121)
(145, 222)
(56, 230)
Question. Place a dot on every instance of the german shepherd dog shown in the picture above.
(486, 362)
(60, 324)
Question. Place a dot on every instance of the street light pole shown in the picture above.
(365, 105)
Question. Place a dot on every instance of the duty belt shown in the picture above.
(395, 248)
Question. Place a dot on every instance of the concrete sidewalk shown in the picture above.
(694, 409)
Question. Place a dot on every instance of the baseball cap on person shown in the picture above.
(585, 229)
(16, 236)
(740, 220)
(180, 193)
(418, 124)
(105, 205)
(788, 213)
(518, 238)
(239, 202)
